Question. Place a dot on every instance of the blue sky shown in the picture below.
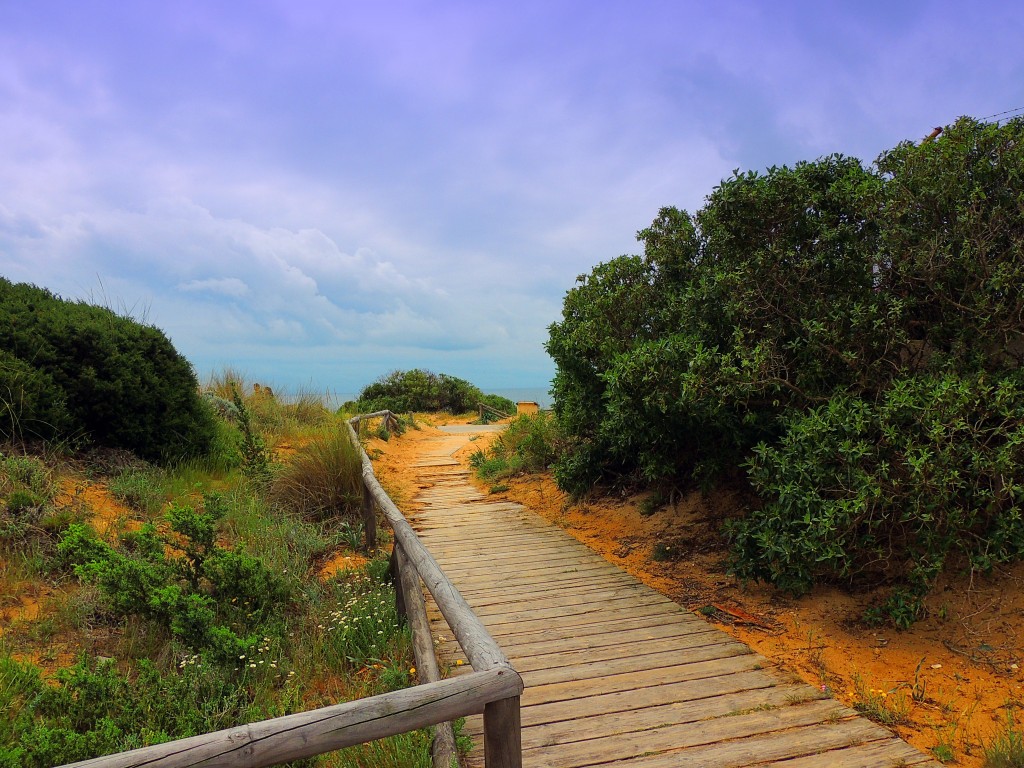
(319, 192)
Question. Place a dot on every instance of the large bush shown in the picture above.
(828, 325)
(419, 390)
(73, 370)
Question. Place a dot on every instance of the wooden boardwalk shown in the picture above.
(615, 673)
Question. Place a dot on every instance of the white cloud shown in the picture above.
(226, 286)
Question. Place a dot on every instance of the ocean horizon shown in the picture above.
(539, 395)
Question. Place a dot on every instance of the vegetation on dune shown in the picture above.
(850, 336)
(417, 390)
(70, 371)
(202, 606)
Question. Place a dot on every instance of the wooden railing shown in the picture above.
(493, 687)
(486, 409)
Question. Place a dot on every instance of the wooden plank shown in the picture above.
(532, 626)
(651, 653)
(731, 660)
(570, 648)
(533, 580)
(756, 750)
(618, 632)
(728, 704)
(565, 565)
(523, 551)
(495, 616)
(674, 736)
(668, 693)
(885, 752)
(499, 593)
(644, 718)
(666, 664)
(555, 640)
(484, 606)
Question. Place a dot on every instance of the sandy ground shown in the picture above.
(954, 677)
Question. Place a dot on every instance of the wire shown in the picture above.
(1000, 114)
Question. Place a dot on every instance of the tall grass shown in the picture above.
(323, 479)
(283, 415)
(1006, 750)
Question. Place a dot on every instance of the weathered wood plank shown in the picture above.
(610, 645)
(538, 625)
(639, 654)
(628, 699)
(872, 754)
(728, 704)
(733, 660)
(665, 663)
(756, 750)
(674, 736)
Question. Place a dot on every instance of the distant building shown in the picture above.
(527, 406)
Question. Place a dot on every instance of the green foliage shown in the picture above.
(419, 390)
(892, 490)
(70, 370)
(91, 708)
(363, 623)
(530, 443)
(206, 635)
(255, 456)
(209, 598)
(323, 479)
(850, 335)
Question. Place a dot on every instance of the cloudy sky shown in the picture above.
(317, 192)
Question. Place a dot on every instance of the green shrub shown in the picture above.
(855, 490)
(27, 490)
(419, 390)
(530, 443)
(210, 598)
(827, 323)
(73, 370)
(91, 709)
(255, 458)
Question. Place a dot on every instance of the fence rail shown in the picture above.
(493, 687)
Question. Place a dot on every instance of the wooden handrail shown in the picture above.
(305, 734)
(492, 688)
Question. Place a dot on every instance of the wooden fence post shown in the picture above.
(503, 734)
(369, 520)
(395, 565)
